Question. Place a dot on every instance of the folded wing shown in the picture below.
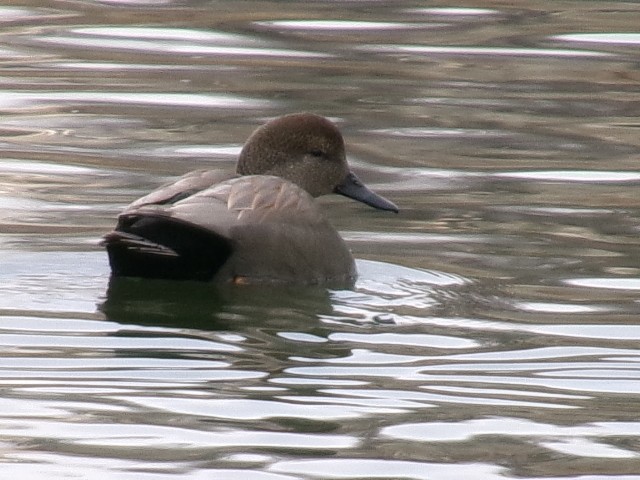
(255, 228)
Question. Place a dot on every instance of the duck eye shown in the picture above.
(316, 153)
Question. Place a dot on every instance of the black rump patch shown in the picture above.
(162, 247)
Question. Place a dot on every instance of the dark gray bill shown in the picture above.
(352, 187)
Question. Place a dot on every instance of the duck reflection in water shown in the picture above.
(206, 306)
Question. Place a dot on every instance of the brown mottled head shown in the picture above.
(308, 150)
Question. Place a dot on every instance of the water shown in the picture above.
(493, 331)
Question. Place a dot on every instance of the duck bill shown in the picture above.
(353, 188)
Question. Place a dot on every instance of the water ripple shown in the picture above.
(428, 50)
(606, 38)
(12, 100)
(339, 25)
(170, 41)
(367, 468)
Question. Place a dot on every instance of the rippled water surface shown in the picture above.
(493, 332)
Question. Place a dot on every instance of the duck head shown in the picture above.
(307, 150)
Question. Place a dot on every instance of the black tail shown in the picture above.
(162, 247)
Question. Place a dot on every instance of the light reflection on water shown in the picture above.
(333, 25)
(14, 100)
(493, 330)
(616, 38)
(492, 51)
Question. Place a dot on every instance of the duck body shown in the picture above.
(259, 225)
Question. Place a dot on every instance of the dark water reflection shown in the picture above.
(493, 332)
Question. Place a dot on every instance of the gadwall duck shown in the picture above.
(260, 225)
